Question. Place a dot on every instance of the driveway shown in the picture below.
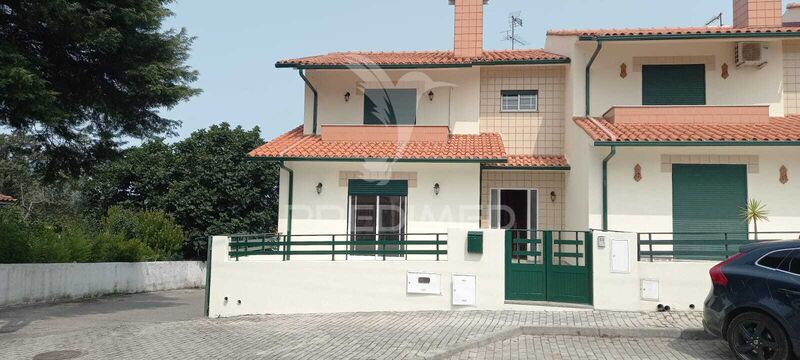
(170, 325)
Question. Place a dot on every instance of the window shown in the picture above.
(519, 100)
(773, 260)
(792, 263)
(390, 106)
(674, 84)
(377, 213)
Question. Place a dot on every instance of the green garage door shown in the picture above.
(707, 199)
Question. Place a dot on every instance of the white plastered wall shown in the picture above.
(456, 100)
(646, 206)
(457, 204)
(352, 286)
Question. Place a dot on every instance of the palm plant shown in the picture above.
(754, 212)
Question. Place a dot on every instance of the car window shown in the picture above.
(773, 260)
(794, 263)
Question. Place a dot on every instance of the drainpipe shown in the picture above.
(589, 75)
(605, 186)
(290, 204)
(314, 90)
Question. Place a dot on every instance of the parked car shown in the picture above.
(755, 301)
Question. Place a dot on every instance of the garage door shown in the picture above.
(707, 199)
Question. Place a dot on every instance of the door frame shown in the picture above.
(401, 234)
(500, 201)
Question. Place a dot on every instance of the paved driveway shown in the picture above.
(170, 325)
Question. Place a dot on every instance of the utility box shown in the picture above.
(424, 283)
(475, 242)
(464, 290)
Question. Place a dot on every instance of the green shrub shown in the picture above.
(155, 229)
(14, 238)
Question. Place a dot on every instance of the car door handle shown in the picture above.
(790, 292)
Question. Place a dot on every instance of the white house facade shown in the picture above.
(499, 164)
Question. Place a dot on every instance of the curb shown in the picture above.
(645, 333)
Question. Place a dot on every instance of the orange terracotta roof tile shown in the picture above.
(533, 161)
(420, 58)
(674, 31)
(777, 129)
(6, 198)
(295, 145)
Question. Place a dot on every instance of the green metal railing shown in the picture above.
(380, 246)
(566, 244)
(667, 246)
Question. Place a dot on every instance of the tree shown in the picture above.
(81, 76)
(754, 212)
(206, 182)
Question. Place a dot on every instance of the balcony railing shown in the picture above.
(390, 246)
(667, 246)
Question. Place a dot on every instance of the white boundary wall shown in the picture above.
(36, 283)
(680, 283)
(324, 286)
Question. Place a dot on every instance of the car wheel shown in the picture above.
(755, 336)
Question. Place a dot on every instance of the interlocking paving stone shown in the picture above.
(388, 335)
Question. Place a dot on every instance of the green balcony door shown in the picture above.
(707, 199)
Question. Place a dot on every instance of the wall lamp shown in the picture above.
(319, 188)
(436, 189)
(430, 95)
(553, 196)
(347, 97)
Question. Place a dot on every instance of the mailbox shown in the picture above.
(475, 242)
(424, 283)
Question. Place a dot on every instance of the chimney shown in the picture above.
(757, 13)
(792, 15)
(469, 27)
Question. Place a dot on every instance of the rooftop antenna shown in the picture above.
(514, 20)
(715, 19)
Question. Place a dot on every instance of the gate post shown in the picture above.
(588, 250)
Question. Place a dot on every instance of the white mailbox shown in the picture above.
(464, 289)
(424, 283)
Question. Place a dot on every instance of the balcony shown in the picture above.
(687, 114)
(381, 133)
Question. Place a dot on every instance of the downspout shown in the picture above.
(316, 96)
(290, 205)
(605, 186)
(589, 75)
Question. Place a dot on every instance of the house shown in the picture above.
(6, 200)
(664, 134)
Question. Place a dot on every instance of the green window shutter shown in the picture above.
(674, 84)
(708, 199)
(390, 106)
(378, 187)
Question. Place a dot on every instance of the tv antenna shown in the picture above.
(514, 20)
(715, 19)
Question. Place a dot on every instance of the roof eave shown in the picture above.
(362, 159)
(529, 168)
(695, 143)
(650, 37)
(424, 66)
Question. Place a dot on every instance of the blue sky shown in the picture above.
(238, 42)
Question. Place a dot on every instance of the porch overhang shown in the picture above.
(530, 162)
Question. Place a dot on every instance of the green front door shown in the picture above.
(706, 202)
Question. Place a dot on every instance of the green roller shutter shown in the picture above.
(378, 187)
(674, 84)
(708, 199)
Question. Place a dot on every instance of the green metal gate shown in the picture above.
(549, 266)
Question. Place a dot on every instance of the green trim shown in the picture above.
(687, 36)
(423, 66)
(696, 143)
(605, 186)
(540, 168)
(264, 158)
(290, 203)
(207, 305)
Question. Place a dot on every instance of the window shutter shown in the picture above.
(378, 187)
(674, 84)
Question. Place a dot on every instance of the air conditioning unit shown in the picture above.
(751, 54)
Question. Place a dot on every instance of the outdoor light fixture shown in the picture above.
(553, 196)
(319, 188)
(347, 97)
(436, 188)
(430, 95)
